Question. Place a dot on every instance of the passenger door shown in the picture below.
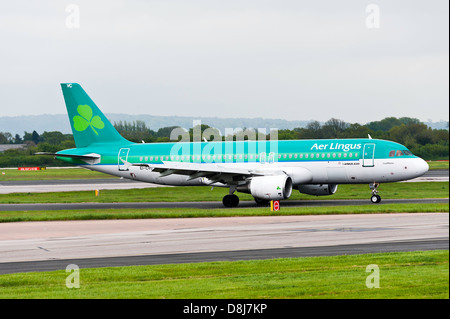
(368, 155)
(123, 159)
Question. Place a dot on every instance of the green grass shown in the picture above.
(438, 164)
(415, 275)
(50, 174)
(97, 214)
(204, 193)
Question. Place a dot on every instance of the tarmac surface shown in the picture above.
(41, 246)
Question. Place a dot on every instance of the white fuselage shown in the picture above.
(322, 172)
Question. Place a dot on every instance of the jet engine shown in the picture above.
(318, 189)
(269, 187)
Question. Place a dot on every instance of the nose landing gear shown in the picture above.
(375, 198)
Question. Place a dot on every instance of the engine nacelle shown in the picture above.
(318, 189)
(270, 187)
(299, 175)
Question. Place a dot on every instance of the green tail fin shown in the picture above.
(89, 124)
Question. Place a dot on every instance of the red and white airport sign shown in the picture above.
(274, 205)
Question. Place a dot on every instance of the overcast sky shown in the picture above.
(295, 60)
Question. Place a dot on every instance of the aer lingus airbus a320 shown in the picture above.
(268, 170)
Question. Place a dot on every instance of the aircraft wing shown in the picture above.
(214, 172)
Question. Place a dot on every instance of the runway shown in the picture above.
(209, 204)
(39, 246)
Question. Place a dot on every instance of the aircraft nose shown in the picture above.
(421, 167)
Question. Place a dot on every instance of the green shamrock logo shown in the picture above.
(85, 119)
(278, 188)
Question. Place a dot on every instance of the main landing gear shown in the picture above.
(375, 198)
(231, 200)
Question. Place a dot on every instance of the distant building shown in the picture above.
(4, 147)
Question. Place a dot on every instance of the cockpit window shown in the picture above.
(399, 153)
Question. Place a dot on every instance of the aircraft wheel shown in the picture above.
(230, 201)
(375, 199)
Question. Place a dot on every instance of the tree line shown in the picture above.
(34, 142)
(430, 144)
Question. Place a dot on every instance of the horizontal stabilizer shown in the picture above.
(88, 158)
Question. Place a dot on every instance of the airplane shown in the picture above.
(268, 170)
